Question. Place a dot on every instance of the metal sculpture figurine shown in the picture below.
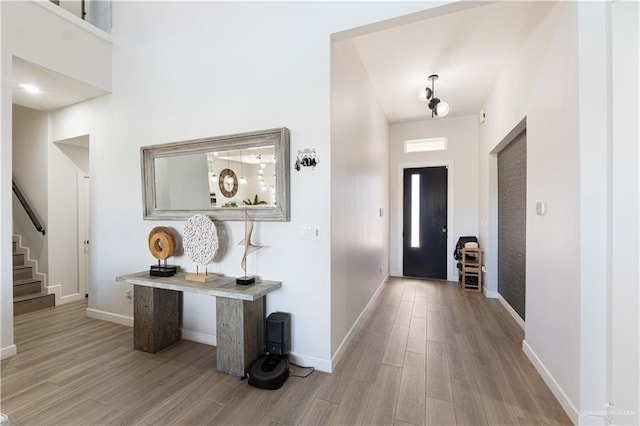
(249, 247)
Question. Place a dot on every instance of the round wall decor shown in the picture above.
(228, 189)
(200, 239)
(162, 243)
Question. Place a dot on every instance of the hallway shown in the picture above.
(440, 355)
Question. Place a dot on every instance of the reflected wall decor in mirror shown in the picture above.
(220, 177)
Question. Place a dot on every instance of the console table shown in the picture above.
(240, 313)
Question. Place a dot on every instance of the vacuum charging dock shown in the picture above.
(272, 370)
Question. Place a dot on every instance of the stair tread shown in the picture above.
(30, 297)
(16, 267)
(25, 281)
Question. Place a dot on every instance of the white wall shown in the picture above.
(359, 190)
(77, 150)
(76, 50)
(461, 157)
(190, 70)
(625, 135)
(30, 134)
(595, 220)
(7, 347)
(72, 6)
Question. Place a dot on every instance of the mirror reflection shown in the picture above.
(231, 178)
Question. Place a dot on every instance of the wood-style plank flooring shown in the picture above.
(426, 353)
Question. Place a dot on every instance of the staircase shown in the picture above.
(27, 296)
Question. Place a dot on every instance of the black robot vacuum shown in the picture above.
(272, 370)
(269, 372)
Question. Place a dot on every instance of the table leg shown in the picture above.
(156, 318)
(239, 334)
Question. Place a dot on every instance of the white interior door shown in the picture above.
(83, 234)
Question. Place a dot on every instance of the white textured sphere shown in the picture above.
(200, 239)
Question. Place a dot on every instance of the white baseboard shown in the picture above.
(586, 420)
(8, 351)
(70, 298)
(511, 311)
(199, 337)
(557, 391)
(490, 294)
(335, 359)
(108, 316)
(319, 364)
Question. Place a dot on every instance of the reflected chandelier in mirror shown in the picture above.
(220, 177)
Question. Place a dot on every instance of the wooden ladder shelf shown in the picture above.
(471, 271)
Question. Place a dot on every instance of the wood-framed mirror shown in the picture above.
(221, 177)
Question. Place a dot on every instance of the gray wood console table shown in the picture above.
(240, 313)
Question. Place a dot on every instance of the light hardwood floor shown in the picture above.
(426, 353)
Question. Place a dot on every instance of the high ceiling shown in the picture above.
(467, 49)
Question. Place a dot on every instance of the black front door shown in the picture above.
(425, 223)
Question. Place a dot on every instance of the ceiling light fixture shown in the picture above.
(243, 179)
(30, 88)
(228, 179)
(438, 108)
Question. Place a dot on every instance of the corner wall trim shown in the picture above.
(556, 389)
(56, 290)
(511, 311)
(8, 351)
(111, 317)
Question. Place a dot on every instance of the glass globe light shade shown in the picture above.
(442, 109)
(243, 180)
(423, 94)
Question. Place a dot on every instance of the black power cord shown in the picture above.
(311, 370)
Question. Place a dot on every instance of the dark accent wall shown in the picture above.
(512, 217)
